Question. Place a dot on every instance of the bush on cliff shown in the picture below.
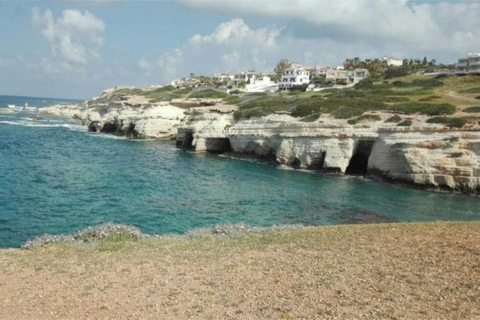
(422, 108)
(405, 123)
(472, 109)
(209, 94)
(394, 119)
(451, 122)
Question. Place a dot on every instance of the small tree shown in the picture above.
(282, 65)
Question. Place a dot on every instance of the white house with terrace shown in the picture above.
(294, 77)
(469, 65)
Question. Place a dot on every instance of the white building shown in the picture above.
(243, 77)
(469, 65)
(393, 62)
(294, 77)
(346, 76)
(319, 71)
(223, 76)
(261, 85)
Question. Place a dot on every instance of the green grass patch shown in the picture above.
(405, 123)
(451, 122)
(422, 108)
(368, 117)
(394, 119)
(209, 94)
(166, 93)
(472, 109)
(470, 90)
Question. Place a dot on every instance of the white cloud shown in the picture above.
(390, 25)
(75, 38)
(236, 32)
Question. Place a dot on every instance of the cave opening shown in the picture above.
(218, 145)
(92, 127)
(185, 140)
(296, 163)
(317, 162)
(109, 128)
(131, 130)
(358, 164)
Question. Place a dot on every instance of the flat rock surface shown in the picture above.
(383, 271)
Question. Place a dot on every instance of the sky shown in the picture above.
(76, 49)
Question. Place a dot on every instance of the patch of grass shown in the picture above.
(472, 109)
(209, 94)
(394, 119)
(166, 93)
(422, 108)
(470, 90)
(456, 155)
(422, 83)
(311, 117)
(396, 99)
(451, 122)
(368, 117)
(429, 98)
(405, 123)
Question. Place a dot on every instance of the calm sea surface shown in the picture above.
(57, 178)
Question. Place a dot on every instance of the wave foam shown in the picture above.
(30, 123)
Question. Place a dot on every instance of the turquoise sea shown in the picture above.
(57, 178)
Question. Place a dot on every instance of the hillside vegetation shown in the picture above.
(409, 95)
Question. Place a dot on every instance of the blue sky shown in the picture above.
(76, 49)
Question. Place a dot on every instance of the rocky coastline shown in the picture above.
(430, 155)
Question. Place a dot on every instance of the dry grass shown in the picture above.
(389, 271)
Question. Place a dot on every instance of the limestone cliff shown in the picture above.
(429, 155)
(132, 116)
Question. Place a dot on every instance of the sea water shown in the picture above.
(57, 178)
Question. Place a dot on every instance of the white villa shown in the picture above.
(243, 77)
(393, 62)
(319, 71)
(224, 76)
(261, 85)
(346, 76)
(469, 65)
(294, 77)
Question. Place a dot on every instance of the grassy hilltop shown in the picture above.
(456, 98)
(382, 271)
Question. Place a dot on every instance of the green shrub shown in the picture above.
(405, 123)
(472, 109)
(364, 84)
(394, 119)
(394, 72)
(422, 108)
(396, 99)
(423, 83)
(451, 122)
(456, 155)
(470, 90)
(311, 117)
(477, 97)
(209, 94)
(352, 121)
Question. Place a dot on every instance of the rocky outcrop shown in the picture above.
(130, 116)
(429, 155)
